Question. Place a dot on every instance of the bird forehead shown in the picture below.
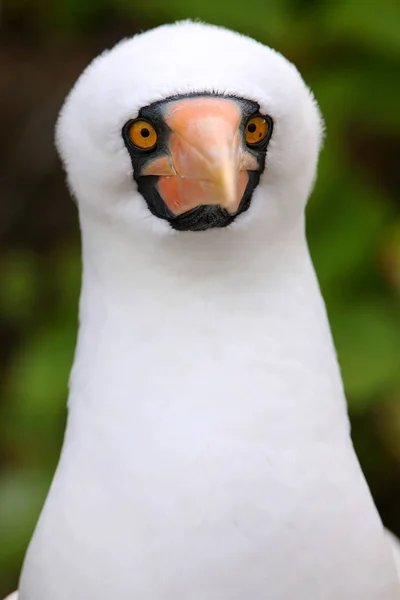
(197, 107)
(196, 110)
(193, 58)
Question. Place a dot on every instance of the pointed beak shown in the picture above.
(205, 163)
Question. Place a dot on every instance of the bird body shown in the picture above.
(207, 453)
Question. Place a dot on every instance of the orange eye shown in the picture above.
(256, 130)
(143, 135)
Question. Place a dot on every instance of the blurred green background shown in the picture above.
(349, 53)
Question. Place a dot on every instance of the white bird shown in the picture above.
(207, 454)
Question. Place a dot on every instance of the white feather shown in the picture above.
(207, 454)
(395, 544)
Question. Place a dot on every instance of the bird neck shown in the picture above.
(214, 319)
(207, 428)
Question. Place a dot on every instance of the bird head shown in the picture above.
(190, 127)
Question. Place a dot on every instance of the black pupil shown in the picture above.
(251, 128)
(144, 132)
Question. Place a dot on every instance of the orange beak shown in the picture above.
(206, 163)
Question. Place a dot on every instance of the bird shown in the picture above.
(207, 453)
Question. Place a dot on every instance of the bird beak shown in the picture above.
(206, 163)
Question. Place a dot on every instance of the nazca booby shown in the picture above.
(207, 454)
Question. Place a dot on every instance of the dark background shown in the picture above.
(349, 53)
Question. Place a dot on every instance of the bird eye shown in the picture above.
(256, 130)
(143, 135)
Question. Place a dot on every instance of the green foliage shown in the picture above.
(20, 502)
(349, 54)
(18, 286)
